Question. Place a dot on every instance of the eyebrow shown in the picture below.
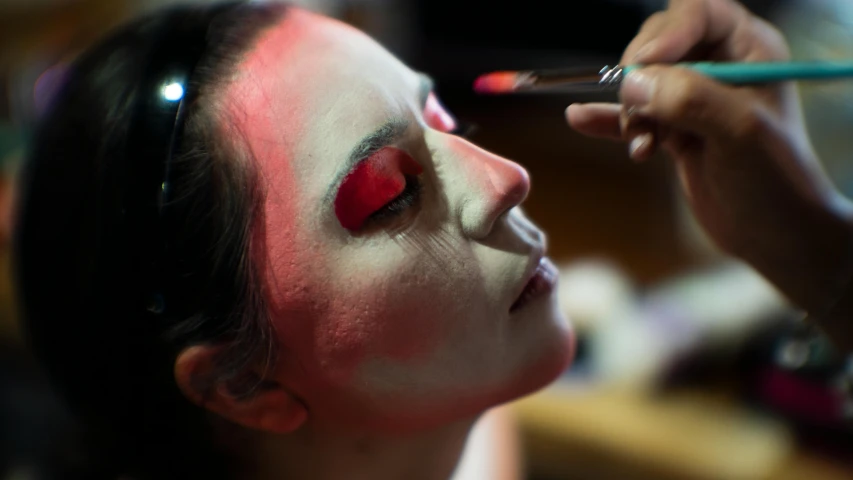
(387, 134)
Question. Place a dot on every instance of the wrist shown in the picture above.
(805, 253)
(812, 265)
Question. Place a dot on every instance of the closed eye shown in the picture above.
(382, 186)
(408, 198)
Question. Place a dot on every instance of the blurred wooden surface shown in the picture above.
(610, 433)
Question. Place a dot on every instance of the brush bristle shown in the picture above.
(496, 82)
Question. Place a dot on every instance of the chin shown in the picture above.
(552, 352)
(554, 358)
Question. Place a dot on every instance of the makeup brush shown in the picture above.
(577, 80)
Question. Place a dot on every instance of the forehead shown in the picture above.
(309, 90)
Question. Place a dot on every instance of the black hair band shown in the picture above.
(155, 134)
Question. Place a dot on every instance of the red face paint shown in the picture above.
(436, 116)
(373, 184)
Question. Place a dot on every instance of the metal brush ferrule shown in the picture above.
(571, 80)
(611, 77)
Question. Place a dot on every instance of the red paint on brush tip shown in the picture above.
(372, 184)
(495, 82)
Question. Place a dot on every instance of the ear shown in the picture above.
(268, 406)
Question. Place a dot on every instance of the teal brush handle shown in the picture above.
(766, 72)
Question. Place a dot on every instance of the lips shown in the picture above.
(541, 282)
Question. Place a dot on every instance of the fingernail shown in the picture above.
(637, 89)
(639, 146)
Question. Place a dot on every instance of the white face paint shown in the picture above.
(404, 321)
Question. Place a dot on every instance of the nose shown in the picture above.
(494, 186)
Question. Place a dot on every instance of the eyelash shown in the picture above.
(408, 198)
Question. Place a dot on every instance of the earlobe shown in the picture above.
(269, 406)
(277, 412)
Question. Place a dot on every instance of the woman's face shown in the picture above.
(405, 284)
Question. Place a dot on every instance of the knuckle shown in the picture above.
(655, 19)
(651, 26)
(646, 32)
(772, 39)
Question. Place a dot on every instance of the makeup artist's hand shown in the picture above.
(743, 155)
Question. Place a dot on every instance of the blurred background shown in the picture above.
(690, 366)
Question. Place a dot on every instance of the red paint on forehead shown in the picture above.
(372, 184)
(270, 109)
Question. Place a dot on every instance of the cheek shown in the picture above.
(403, 307)
(413, 315)
(431, 307)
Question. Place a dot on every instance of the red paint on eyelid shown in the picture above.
(372, 184)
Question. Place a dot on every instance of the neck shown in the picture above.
(312, 453)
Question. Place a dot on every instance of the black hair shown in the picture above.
(76, 261)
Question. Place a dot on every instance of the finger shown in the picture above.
(642, 147)
(599, 120)
(762, 42)
(649, 30)
(674, 33)
(690, 24)
(685, 100)
(640, 133)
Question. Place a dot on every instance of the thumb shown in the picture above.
(685, 100)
